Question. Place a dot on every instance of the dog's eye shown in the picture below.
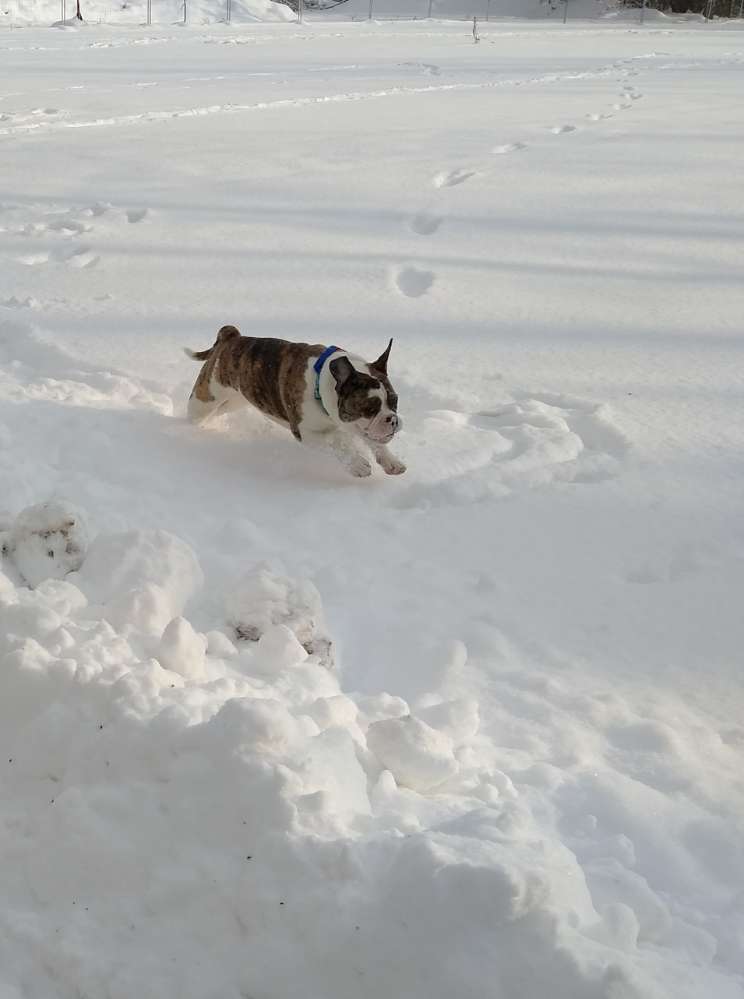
(371, 407)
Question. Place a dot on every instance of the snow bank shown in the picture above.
(230, 822)
(444, 9)
(128, 12)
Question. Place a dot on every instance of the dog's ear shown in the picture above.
(381, 363)
(342, 370)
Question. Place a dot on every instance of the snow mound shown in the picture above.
(417, 755)
(143, 579)
(265, 599)
(182, 650)
(47, 541)
(168, 793)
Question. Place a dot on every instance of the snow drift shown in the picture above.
(226, 820)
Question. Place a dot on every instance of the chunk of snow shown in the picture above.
(48, 541)
(264, 598)
(417, 755)
(277, 650)
(459, 719)
(121, 565)
(182, 650)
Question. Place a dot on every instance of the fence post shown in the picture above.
(300, 11)
(371, 5)
(476, 36)
(62, 10)
(149, 12)
(228, 11)
(565, 11)
(643, 10)
(741, 9)
(429, 13)
(488, 9)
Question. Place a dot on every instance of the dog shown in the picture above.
(326, 396)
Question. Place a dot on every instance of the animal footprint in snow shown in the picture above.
(98, 209)
(509, 147)
(413, 283)
(562, 129)
(33, 259)
(428, 68)
(599, 117)
(67, 226)
(425, 225)
(82, 257)
(451, 178)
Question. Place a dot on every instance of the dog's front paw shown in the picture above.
(360, 467)
(394, 466)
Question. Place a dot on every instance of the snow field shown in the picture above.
(473, 732)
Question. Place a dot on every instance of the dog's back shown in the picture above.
(267, 372)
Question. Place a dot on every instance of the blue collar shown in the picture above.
(317, 368)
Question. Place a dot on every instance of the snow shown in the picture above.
(268, 731)
(47, 541)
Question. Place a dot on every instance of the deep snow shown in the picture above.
(488, 741)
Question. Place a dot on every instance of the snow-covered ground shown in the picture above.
(489, 742)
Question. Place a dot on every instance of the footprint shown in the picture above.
(428, 68)
(562, 129)
(67, 226)
(425, 225)
(99, 208)
(509, 147)
(621, 107)
(413, 283)
(599, 117)
(136, 214)
(82, 257)
(449, 178)
(33, 259)
(20, 303)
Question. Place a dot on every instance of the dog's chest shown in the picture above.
(315, 417)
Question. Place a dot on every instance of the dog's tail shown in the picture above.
(226, 333)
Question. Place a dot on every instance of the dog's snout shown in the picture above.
(392, 420)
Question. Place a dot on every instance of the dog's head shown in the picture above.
(367, 400)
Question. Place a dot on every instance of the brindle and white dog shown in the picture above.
(324, 395)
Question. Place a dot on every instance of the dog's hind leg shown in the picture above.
(199, 411)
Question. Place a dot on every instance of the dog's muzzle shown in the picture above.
(383, 428)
